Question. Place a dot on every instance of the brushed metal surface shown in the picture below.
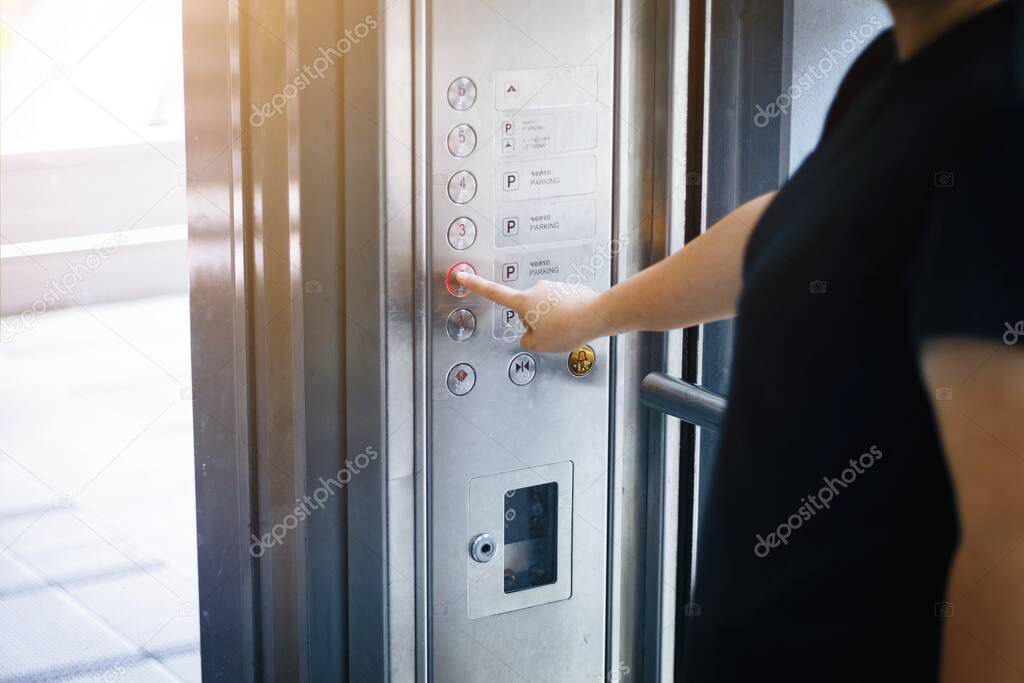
(639, 216)
(485, 582)
(219, 327)
(561, 54)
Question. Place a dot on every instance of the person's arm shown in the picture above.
(697, 284)
(981, 419)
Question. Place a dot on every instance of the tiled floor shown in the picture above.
(97, 516)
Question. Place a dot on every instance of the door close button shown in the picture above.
(522, 369)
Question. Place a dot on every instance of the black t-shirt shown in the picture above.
(829, 526)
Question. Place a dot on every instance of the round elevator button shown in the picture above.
(461, 93)
(461, 379)
(462, 187)
(522, 369)
(461, 141)
(454, 288)
(462, 233)
(461, 324)
(581, 361)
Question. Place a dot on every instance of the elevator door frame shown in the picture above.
(297, 367)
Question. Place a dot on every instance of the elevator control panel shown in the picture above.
(520, 125)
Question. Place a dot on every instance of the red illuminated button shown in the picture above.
(454, 288)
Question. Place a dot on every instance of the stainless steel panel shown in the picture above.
(220, 341)
(647, 177)
(265, 236)
(487, 515)
(533, 57)
(674, 186)
(366, 209)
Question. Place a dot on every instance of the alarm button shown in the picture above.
(581, 361)
(454, 288)
(461, 379)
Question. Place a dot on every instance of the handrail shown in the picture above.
(688, 402)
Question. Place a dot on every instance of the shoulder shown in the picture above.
(874, 62)
(978, 106)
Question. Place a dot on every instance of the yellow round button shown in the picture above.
(581, 361)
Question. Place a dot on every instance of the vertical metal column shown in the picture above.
(265, 251)
(221, 332)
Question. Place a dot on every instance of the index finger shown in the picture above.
(500, 294)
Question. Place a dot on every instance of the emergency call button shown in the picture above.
(581, 361)
(452, 284)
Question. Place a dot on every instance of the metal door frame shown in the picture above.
(266, 312)
(309, 279)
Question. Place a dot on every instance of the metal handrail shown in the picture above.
(678, 398)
